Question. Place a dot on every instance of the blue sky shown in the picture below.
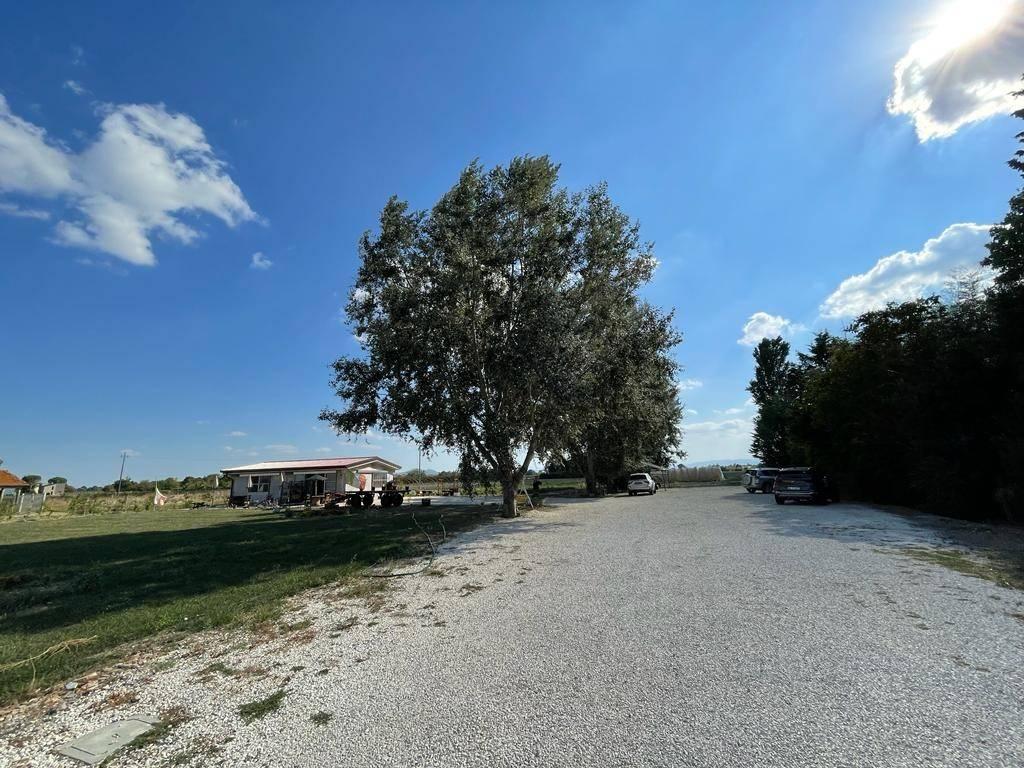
(182, 189)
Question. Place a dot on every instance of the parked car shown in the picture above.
(641, 482)
(805, 484)
(760, 479)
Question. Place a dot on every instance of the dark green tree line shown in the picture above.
(920, 403)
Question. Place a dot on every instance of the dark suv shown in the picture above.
(804, 484)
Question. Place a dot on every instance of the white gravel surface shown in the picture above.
(703, 627)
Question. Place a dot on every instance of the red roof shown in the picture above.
(7, 480)
(350, 462)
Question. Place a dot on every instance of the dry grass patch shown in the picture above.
(1001, 572)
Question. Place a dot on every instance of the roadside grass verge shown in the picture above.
(994, 569)
(80, 592)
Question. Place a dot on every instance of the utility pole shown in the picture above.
(124, 457)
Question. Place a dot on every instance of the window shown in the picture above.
(259, 483)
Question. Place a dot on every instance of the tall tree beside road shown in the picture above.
(770, 391)
(1006, 257)
(477, 318)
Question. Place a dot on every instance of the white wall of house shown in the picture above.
(334, 481)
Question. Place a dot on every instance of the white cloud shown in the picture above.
(237, 433)
(692, 412)
(746, 406)
(131, 453)
(145, 171)
(29, 163)
(761, 325)
(323, 450)
(688, 384)
(909, 274)
(75, 87)
(77, 55)
(725, 439)
(10, 209)
(281, 448)
(964, 69)
(259, 261)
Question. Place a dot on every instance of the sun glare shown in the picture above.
(960, 23)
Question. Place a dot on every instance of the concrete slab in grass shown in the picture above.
(95, 747)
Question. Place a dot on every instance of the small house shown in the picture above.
(292, 482)
(53, 489)
(11, 486)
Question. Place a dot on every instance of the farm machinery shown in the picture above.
(389, 496)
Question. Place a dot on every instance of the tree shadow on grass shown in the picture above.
(56, 583)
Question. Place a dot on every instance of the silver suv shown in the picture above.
(760, 479)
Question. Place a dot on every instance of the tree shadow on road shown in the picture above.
(882, 526)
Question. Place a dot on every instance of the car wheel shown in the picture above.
(779, 500)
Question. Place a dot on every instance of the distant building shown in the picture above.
(51, 489)
(290, 482)
(11, 486)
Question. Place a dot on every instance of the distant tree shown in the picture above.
(770, 390)
(58, 479)
(473, 316)
(31, 479)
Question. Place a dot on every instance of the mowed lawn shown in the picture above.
(114, 579)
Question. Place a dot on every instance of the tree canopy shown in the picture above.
(482, 319)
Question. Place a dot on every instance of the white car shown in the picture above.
(641, 482)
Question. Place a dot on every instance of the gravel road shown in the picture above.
(702, 627)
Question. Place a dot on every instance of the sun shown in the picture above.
(958, 24)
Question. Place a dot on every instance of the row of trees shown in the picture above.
(505, 324)
(920, 403)
(33, 479)
(187, 483)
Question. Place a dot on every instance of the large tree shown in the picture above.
(770, 389)
(476, 318)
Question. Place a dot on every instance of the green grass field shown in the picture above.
(117, 579)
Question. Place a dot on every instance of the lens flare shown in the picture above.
(958, 24)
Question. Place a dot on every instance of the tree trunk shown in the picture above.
(591, 479)
(508, 494)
